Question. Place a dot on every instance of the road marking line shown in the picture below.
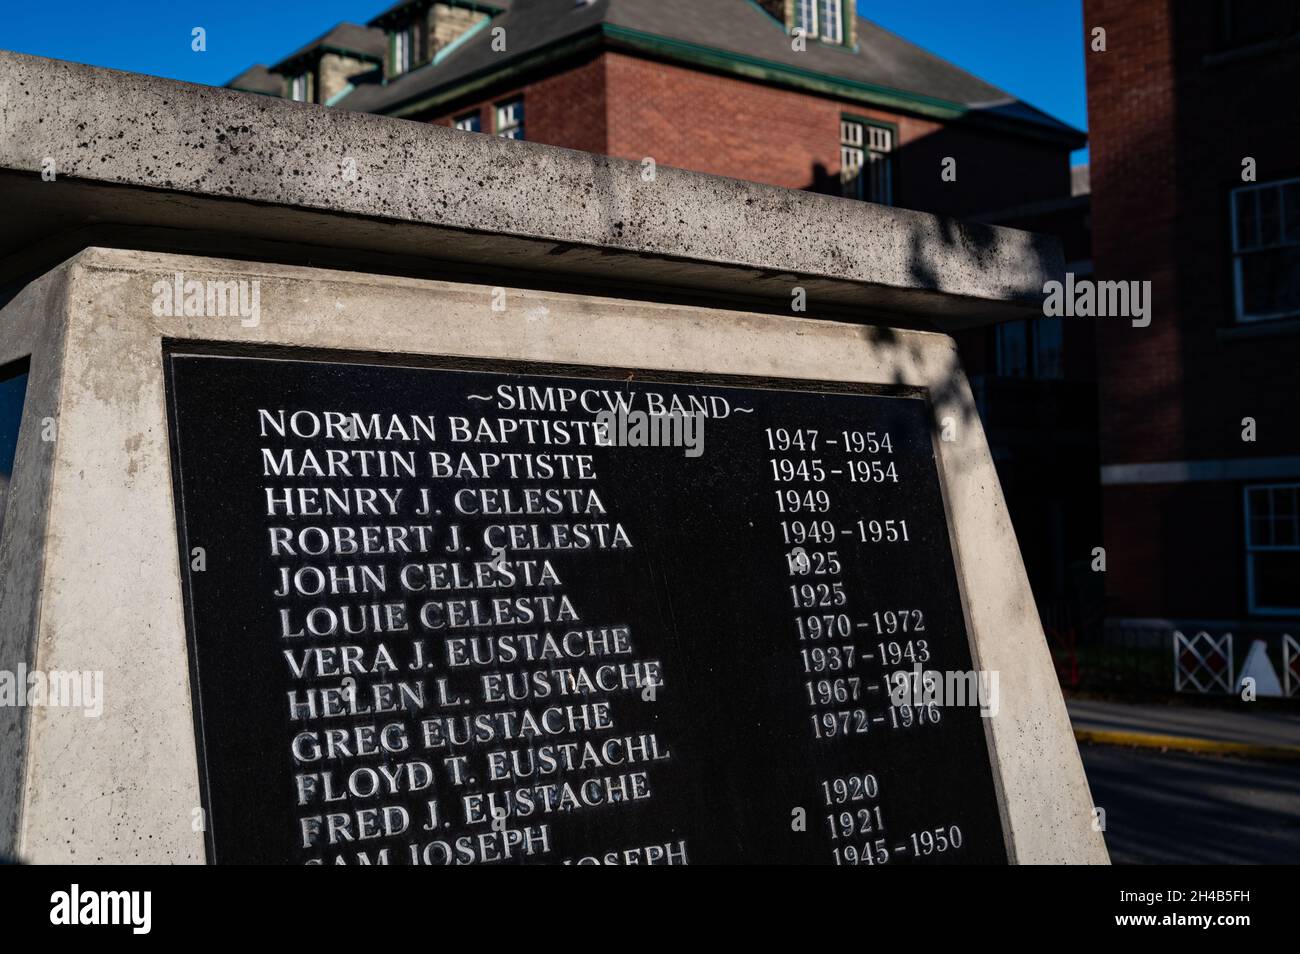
(1183, 743)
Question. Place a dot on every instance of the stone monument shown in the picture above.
(390, 494)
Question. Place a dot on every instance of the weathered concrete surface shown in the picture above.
(125, 786)
(475, 198)
(31, 327)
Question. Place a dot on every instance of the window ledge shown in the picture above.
(839, 45)
(1265, 328)
(1266, 613)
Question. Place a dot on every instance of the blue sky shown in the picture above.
(1032, 48)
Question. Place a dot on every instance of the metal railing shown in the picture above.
(1094, 654)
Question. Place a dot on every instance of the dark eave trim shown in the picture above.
(293, 65)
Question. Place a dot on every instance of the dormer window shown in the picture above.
(805, 17)
(322, 71)
(831, 15)
(823, 19)
(421, 32)
(300, 88)
(403, 45)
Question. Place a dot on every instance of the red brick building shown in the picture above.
(1196, 188)
(796, 93)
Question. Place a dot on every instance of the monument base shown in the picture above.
(93, 578)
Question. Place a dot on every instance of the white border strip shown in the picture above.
(1188, 471)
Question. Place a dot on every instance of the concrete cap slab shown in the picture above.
(144, 152)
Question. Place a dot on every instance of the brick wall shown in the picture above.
(1169, 130)
(565, 109)
(1170, 119)
(720, 125)
(1175, 551)
(1229, 108)
(994, 172)
(632, 108)
(732, 127)
(1132, 136)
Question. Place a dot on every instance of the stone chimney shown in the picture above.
(335, 72)
(448, 23)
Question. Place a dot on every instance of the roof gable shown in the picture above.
(348, 39)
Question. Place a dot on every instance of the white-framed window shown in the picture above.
(1266, 250)
(470, 122)
(403, 50)
(866, 164)
(510, 119)
(830, 20)
(820, 18)
(1273, 549)
(300, 88)
(805, 16)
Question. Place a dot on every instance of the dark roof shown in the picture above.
(724, 34)
(362, 42)
(489, 6)
(258, 79)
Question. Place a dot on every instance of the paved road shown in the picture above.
(1177, 808)
(1241, 723)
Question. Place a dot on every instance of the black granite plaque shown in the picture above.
(449, 615)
